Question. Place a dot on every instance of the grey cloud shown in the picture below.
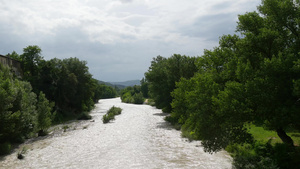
(125, 1)
(221, 6)
(120, 41)
(210, 27)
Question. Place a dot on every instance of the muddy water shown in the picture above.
(138, 138)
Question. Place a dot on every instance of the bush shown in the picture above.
(151, 102)
(106, 118)
(132, 95)
(138, 98)
(110, 115)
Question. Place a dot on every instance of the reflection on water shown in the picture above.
(138, 138)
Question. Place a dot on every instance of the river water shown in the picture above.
(138, 138)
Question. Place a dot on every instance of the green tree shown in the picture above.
(14, 55)
(106, 91)
(274, 43)
(144, 88)
(164, 73)
(30, 60)
(132, 95)
(249, 79)
(68, 83)
(17, 108)
(44, 114)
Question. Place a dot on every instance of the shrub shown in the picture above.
(106, 118)
(138, 98)
(110, 115)
(44, 116)
(132, 95)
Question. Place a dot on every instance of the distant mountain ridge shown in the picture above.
(127, 83)
(121, 85)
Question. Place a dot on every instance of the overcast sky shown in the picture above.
(117, 38)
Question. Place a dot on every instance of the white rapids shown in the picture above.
(138, 138)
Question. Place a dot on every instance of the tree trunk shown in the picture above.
(284, 137)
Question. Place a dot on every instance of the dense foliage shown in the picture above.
(246, 79)
(164, 73)
(132, 95)
(105, 91)
(145, 88)
(66, 82)
(65, 90)
(21, 114)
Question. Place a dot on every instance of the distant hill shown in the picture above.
(127, 83)
(112, 85)
(121, 85)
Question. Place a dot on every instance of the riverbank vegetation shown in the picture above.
(136, 94)
(21, 113)
(105, 92)
(111, 113)
(163, 75)
(252, 77)
(50, 92)
(132, 95)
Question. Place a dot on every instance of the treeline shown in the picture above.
(49, 92)
(136, 94)
(249, 79)
(105, 92)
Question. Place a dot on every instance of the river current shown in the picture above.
(138, 138)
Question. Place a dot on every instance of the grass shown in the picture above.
(260, 134)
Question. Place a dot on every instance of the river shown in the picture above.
(138, 138)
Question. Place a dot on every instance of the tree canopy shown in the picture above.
(164, 73)
(251, 78)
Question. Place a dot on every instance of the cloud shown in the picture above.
(118, 38)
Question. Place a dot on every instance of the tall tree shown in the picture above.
(17, 108)
(249, 79)
(145, 88)
(44, 113)
(164, 73)
(31, 58)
